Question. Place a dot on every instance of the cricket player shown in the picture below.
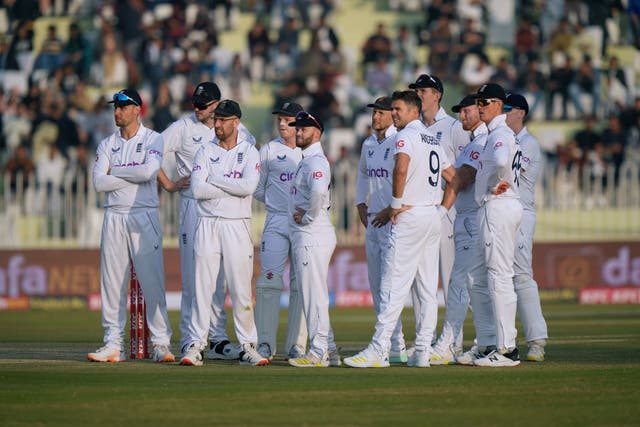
(314, 239)
(126, 166)
(468, 259)
(420, 164)
(224, 176)
(499, 218)
(452, 137)
(183, 138)
(279, 160)
(374, 187)
(531, 317)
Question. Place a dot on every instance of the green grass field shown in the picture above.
(591, 377)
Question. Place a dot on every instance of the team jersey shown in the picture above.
(126, 169)
(530, 167)
(223, 180)
(499, 161)
(427, 161)
(449, 133)
(278, 164)
(185, 136)
(470, 154)
(310, 191)
(375, 170)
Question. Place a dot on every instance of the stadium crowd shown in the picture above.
(60, 58)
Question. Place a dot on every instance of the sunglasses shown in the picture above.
(303, 115)
(121, 97)
(485, 102)
(202, 105)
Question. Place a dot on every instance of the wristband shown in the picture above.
(396, 202)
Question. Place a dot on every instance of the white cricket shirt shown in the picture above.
(470, 155)
(278, 165)
(530, 167)
(375, 170)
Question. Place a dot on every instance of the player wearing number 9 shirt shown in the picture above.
(499, 217)
(420, 163)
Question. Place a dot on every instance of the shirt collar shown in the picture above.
(314, 148)
(479, 130)
(499, 120)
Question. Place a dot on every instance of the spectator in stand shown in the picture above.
(558, 84)
(20, 168)
(379, 78)
(312, 62)
(50, 171)
(78, 51)
(440, 43)
(51, 53)
(630, 115)
(436, 9)
(475, 72)
(114, 65)
(587, 138)
(324, 104)
(531, 83)
(259, 47)
(526, 43)
(585, 82)
(403, 49)
(21, 47)
(615, 141)
(326, 35)
(162, 116)
(561, 40)
(129, 26)
(504, 75)
(470, 40)
(238, 79)
(289, 33)
(377, 45)
(617, 88)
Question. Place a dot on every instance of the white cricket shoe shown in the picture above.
(497, 360)
(419, 359)
(295, 352)
(468, 357)
(264, 350)
(442, 357)
(398, 356)
(162, 354)
(536, 350)
(223, 350)
(310, 360)
(249, 356)
(367, 358)
(193, 356)
(106, 354)
(334, 358)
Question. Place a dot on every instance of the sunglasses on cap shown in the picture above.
(303, 115)
(484, 102)
(202, 105)
(121, 97)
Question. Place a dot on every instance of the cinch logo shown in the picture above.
(377, 173)
(196, 168)
(286, 176)
(233, 174)
(400, 143)
(474, 155)
(317, 174)
(293, 190)
(156, 152)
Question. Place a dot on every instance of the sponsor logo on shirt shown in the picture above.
(474, 155)
(286, 176)
(233, 174)
(377, 173)
(216, 160)
(153, 152)
(428, 139)
(370, 153)
(400, 143)
(281, 158)
(317, 174)
(196, 168)
(115, 150)
(196, 140)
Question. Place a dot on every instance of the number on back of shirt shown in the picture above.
(434, 168)
(515, 167)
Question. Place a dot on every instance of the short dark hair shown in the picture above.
(410, 97)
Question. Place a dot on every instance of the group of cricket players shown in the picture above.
(442, 200)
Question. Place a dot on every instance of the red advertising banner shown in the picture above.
(76, 272)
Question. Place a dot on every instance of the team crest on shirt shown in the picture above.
(282, 158)
(115, 150)
(439, 135)
(216, 160)
(139, 147)
(386, 153)
(370, 153)
(196, 140)
(240, 157)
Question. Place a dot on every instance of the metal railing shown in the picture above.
(572, 205)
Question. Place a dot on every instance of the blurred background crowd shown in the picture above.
(576, 62)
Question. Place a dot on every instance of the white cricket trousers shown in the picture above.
(529, 309)
(462, 279)
(447, 249)
(311, 263)
(276, 248)
(376, 247)
(187, 232)
(135, 237)
(223, 242)
(413, 254)
(498, 222)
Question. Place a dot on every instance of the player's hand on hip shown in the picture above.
(382, 217)
(298, 214)
(396, 212)
(500, 188)
(363, 211)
